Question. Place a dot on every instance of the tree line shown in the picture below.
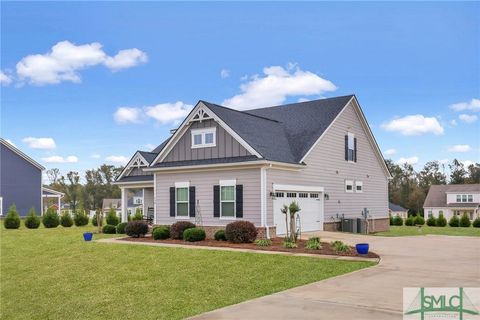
(90, 194)
(409, 188)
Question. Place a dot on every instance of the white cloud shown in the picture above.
(453, 122)
(224, 73)
(127, 114)
(460, 148)
(65, 59)
(168, 112)
(411, 160)
(117, 159)
(40, 143)
(414, 125)
(10, 141)
(472, 105)
(468, 118)
(150, 146)
(126, 59)
(390, 152)
(95, 156)
(467, 163)
(59, 159)
(5, 79)
(276, 85)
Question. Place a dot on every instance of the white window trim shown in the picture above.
(347, 183)
(351, 135)
(203, 132)
(179, 185)
(229, 183)
(358, 183)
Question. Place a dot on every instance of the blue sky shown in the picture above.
(101, 80)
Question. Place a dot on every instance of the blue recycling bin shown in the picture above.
(87, 236)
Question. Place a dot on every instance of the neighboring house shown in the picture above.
(453, 199)
(20, 180)
(47, 194)
(223, 165)
(396, 210)
(112, 203)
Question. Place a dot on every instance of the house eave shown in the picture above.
(248, 164)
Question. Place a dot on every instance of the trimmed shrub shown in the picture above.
(418, 220)
(138, 215)
(121, 227)
(454, 221)
(109, 229)
(51, 219)
(241, 232)
(410, 221)
(95, 216)
(397, 221)
(112, 218)
(339, 246)
(313, 244)
(391, 219)
(80, 218)
(289, 244)
(66, 220)
(194, 234)
(176, 230)
(465, 221)
(220, 235)
(441, 221)
(476, 223)
(263, 242)
(161, 233)
(431, 221)
(136, 228)
(32, 221)
(12, 219)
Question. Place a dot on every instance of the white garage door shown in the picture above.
(311, 213)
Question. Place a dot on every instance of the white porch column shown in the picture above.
(59, 203)
(124, 204)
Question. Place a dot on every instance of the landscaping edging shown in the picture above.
(186, 246)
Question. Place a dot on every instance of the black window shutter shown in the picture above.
(191, 200)
(216, 201)
(239, 200)
(172, 201)
(355, 149)
(346, 147)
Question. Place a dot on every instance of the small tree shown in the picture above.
(97, 219)
(112, 218)
(66, 219)
(465, 221)
(476, 222)
(431, 221)
(454, 221)
(50, 218)
(32, 221)
(138, 215)
(12, 220)
(441, 221)
(391, 219)
(293, 208)
(397, 221)
(80, 218)
(284, 210)
(418, 220)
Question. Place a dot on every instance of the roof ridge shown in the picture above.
(242, 112)
(296, 103)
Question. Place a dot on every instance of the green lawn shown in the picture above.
(54, 274)
(398, 231)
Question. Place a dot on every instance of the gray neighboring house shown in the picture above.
(397, 210)
(223, 165)
(20, 180)
(453, 199)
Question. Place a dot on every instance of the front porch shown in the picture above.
(138, 197)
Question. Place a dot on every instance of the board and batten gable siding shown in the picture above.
(203, 181)
(20, 183)
(328, 157)
(226, 145)
(138, 172)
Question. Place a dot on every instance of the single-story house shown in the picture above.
(453, 199)
(20, 180)
(397, 210)
(222, 165)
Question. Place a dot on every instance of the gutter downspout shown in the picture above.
(263, 200)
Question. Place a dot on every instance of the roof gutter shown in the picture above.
(228, 165)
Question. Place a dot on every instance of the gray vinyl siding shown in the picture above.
(326, 159)
(20, 183)
(138, 172)
(203, 183)
(226, 145)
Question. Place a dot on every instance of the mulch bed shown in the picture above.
(277, 245)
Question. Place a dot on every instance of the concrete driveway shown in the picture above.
(374, 293)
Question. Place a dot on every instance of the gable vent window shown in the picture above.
(205, 137)
(358, 186)
(348, 186)
(350, 147)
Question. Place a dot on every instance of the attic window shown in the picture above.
(202, 138)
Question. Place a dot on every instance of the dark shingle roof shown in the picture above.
(136, 179)
(437, 194)
(283, 133)
(395, 207)
(149, 156)
(204, 161)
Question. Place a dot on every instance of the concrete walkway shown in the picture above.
(374, 293)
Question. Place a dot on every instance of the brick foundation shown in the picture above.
(374, 225)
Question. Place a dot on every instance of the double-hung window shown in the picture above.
(459, 198)
(358, 186)
(205, 137)
(351, 147)
(181, 201)
(464, 198)
(348, 186)
(227, 199)
(470, 198)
